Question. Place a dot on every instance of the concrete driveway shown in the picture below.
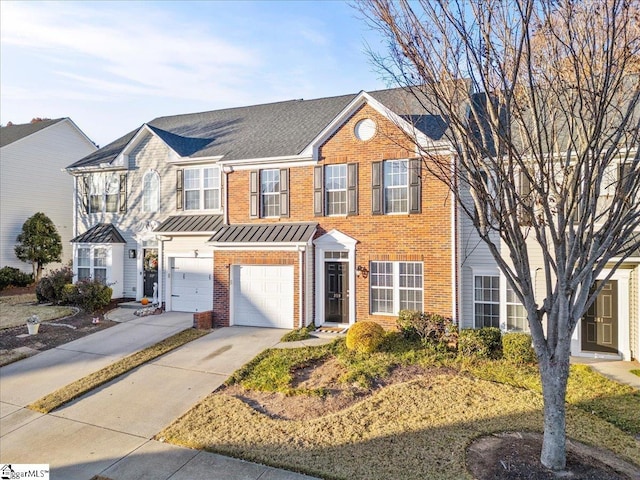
(109, 430)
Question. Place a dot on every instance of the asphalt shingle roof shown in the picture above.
(265, 233)
(13, 133)
(262, 131)
(100, 233)
(190, 223)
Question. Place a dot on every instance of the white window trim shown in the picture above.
(145, 207)
(202, 190)
(395, 272)
(334, 241)
(103, 194)
(394, 187)
(92, 247)
(330, 190)
(263, 194)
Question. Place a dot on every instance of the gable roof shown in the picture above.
(13, 133)
(281, 129)
(100, 233)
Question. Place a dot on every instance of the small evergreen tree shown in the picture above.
(39, 243)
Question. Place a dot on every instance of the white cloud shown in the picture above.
(108, 51)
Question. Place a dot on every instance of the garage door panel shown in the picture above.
(192, 284)
(263, 295)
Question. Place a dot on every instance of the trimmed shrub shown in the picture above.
(14, 277)
(365, 337)
(517, 348)
(91, 295)
(430, 328)
(481, 343)
(52, 287)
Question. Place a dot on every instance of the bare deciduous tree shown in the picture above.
(542, 105)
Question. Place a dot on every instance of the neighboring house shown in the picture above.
(281, 214)
(32, 179)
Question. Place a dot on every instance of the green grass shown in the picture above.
(303, 333)
(14, 310)
(413, 430)
(84, 385)
(636, 371)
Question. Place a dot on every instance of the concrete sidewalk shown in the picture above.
(108, 431)
(617, 370)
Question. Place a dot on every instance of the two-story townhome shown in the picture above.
(32, 179)
(280, 214)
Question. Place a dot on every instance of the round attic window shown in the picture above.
(365, 129)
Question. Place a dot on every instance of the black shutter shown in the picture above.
(376, 188)
(415, 186)
(84, 192)
(318, 190)
(284, 192)
(179, 189)
(352, 189)
(253, 194)
(123, 192)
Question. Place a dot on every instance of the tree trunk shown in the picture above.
(554, 374)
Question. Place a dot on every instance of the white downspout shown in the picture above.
(302, 322)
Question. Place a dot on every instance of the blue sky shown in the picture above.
(111, 66)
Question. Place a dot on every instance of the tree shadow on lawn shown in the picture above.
(415, 430)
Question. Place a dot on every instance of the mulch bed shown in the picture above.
(516, 456)
(16, 344)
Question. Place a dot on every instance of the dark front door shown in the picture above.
(150, 270)
(600, 324)
(336, 284)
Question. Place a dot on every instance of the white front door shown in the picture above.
(191, 284)
(262, 295)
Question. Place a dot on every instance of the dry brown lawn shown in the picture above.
(15, 310)
(413, 430)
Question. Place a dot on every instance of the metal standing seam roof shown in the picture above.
(100, 233)
(190, 224)
(265, 233)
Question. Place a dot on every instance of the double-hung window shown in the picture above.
(202, 188)
(335, 187)
(104, 190)
(486, 296)
(396, 186)
(270, 193)
(92, 263)
(516, 313)
(396, 286)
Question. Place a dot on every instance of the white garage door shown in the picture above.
(262, 295)
(192, 284)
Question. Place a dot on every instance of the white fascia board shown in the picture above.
(362, 98)
(273, 162)
(77, 171)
